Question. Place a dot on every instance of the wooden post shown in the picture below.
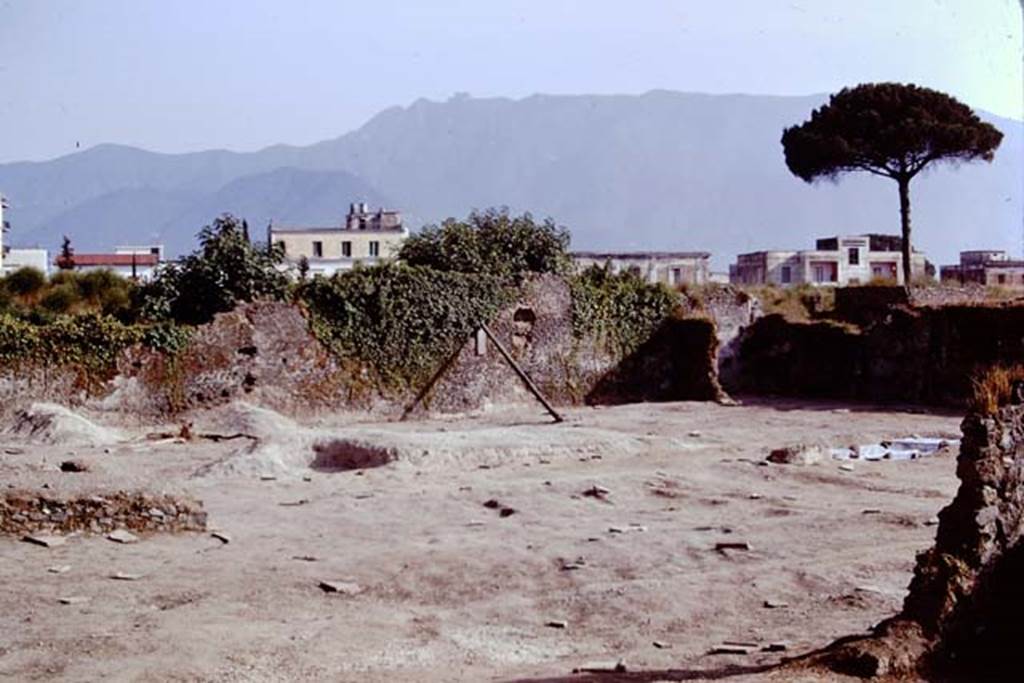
(534, 389)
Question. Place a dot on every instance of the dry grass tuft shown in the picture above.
(993, 388)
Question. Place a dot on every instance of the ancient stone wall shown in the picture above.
(676, 363)
(264, 353)
(23, 512)
(961, 618)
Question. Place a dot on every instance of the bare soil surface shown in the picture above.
(452, 590)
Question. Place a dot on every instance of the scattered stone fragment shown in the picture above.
(776, 647)
(578, 563)
(492, 504)
(74, 466)
(73, 600)
(267, 477)
(695, 433)
(755, 496)
(295, 503)
(307, 477)
(931, 521)
(222, 537)
(616, 530)
(557, 623)
(871, 511)
(800, 454)
(122, 576)
(662, 645)
(618, 667)
(775, 604)
(740, 643)
(732, 545)
(475, 522)
(306, 558)
(59, 569)
(45, 540)
(122, 536)
(341, 587)
(599, 492)
(14, 451)
(507, 512)
(846, 468)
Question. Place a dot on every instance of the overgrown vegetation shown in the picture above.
(226, 270)
(797, 303)
(622, 310)
(27, 293)
(993, 388)
(492, 242)
(402, 320)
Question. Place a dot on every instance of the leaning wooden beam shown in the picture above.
(522, 375)
(431, 382)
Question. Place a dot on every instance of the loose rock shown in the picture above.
(122, 536)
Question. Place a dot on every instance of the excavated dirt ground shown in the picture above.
(452, 590)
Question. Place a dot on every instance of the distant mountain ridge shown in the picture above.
(662, 170)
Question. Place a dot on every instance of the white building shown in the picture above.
(668, 267)
(367, 237)
(30, 257)
(837, 261)
(13, 258)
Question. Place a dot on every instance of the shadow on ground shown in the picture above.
(723, 673)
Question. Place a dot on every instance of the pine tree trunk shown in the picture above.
(904, 184)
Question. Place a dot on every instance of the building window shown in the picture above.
(853, 256)
(318, 249)
(280, 244)
(1001, 279)
(787, 275)
(374, 248)
(346, 249)
(677, 276)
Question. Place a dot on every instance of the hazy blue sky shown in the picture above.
(177, 75)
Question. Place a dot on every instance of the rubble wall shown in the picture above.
(676, 363)
(960, 619)
(23, 512)
(265, 353)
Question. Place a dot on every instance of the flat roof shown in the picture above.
(640, 254)
(335, 229)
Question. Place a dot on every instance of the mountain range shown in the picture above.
(662, 170)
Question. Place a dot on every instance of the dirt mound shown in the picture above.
(54, 424)
(279, 447)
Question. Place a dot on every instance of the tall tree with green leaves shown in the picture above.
(225, 270)
(890, 130)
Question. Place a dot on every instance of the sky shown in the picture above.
(186, 75)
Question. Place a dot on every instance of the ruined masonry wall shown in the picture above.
(29, 512)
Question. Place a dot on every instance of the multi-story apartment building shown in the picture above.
(989, 267)
(837, 261)
(366, 237)
(672, 268)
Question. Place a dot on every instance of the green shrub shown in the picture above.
(25, 283)
(402, 321)
(491, 242)
(225, 270)
(620, 309)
